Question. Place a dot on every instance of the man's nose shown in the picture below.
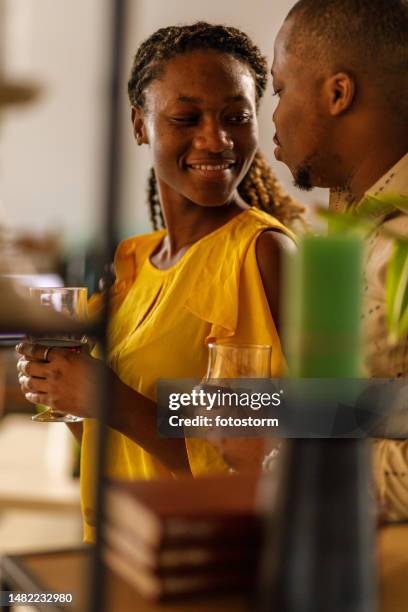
(274, 115)
(212, 136)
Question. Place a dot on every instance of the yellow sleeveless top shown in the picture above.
(161, 323)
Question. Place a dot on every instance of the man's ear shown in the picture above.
(139, 127)
(340, 90)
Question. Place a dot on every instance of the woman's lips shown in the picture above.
(214, 171)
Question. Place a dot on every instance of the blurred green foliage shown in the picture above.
(361, 221)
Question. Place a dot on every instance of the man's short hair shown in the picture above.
(359, 36)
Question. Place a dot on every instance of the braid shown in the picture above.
(156, 215)
(261, 189)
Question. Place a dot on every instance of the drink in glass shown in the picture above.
(72, 302)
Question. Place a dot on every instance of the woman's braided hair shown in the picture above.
(259, 187)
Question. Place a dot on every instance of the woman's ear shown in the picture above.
(139, 127)
(340, 92)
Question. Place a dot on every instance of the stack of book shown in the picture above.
(181, 537)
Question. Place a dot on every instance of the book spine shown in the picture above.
(175, 587)
(176, 532)
(183, 561)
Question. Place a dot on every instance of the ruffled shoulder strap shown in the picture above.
(129, 257)
(213, 293)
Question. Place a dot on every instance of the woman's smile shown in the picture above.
(212, 170)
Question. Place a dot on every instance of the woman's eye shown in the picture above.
(240, 118)
(185, 120)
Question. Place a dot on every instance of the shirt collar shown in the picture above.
(375, 204)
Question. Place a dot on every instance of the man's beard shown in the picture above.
(302, 177)
(302, 174)
(316, 170)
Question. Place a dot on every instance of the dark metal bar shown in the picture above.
(112, 200)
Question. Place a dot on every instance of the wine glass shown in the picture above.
(239, 361)
(72, 302)
(231, 361)
(227, 362)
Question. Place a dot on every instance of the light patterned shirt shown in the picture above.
(384, 359)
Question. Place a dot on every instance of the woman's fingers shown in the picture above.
(34, 352)
(39, 352)
(45, 354)
(32, 385)
(26, 349)
(37, 398)
(32, 368)
(241, 454)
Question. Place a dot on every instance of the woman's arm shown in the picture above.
(70, 382)
(271, 248)
(135, 416)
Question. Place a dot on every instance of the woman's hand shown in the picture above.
(68, 381)
(241, 454)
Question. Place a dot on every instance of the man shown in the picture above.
(340, 71)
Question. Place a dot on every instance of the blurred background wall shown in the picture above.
(51, 153)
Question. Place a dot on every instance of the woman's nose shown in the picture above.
(213, 137)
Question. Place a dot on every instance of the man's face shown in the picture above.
(303, 128)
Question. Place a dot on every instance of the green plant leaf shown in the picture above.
(397, 291)
(374, 205)
(346, 223)
(360, 221)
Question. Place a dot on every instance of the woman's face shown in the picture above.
(200, 121)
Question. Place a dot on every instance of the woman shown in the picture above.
(212, 274)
